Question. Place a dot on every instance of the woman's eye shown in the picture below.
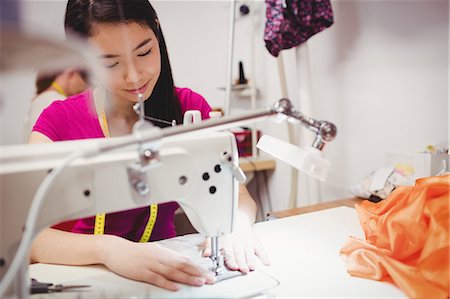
(145, 54)
(111, 65)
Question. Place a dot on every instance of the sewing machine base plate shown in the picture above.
(227, 274)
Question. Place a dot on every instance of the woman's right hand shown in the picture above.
(152, 263)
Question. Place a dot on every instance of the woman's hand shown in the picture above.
(152, 263)
(240, 250)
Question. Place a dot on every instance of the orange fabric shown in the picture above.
(407, 239)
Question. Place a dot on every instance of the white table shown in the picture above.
(304, 251)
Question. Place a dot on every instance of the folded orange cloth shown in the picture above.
(407, 239)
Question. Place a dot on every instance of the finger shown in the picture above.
(180, 276)
(239, 255)
(229, 258)
(185, 265)
(197, 271)
(159, 281)
(250, 256)
(261, 253)
(207, 247)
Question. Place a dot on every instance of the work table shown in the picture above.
(305, 262)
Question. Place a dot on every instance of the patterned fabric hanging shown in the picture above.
(292, 22)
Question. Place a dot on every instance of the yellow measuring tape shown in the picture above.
(58, 88)
(150, 224)
(99, 226)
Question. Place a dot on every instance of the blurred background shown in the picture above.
(379, 73)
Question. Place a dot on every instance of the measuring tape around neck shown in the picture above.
(58, 88)
(99, 225)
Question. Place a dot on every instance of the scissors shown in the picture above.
(46, 287)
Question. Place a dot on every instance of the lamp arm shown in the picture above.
(325, 131)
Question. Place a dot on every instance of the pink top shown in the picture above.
(76, 118)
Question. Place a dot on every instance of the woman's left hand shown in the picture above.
(240, 250)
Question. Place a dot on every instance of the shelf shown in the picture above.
(242, 90)
(237, 87)
(251, 164)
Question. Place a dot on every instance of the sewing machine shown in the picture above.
(113, 181)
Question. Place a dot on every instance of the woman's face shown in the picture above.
(131, 59)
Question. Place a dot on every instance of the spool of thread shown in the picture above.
(242, 79)
(215, 114)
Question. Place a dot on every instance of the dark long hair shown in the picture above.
(81, 15)
(44, 80)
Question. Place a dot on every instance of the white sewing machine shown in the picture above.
(82, 178)
(195, 171)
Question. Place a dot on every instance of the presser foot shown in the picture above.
(227, 274)
(218, 266)
(221, 271)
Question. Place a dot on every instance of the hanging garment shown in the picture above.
(407, 239)
(291, 22)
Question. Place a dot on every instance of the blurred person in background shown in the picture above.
(51, 87)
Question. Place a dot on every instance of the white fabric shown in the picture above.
(105, 284)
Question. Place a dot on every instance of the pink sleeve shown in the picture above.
(49, 122)
(191, 100)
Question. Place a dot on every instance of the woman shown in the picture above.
(52, 87)
(135, 60)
